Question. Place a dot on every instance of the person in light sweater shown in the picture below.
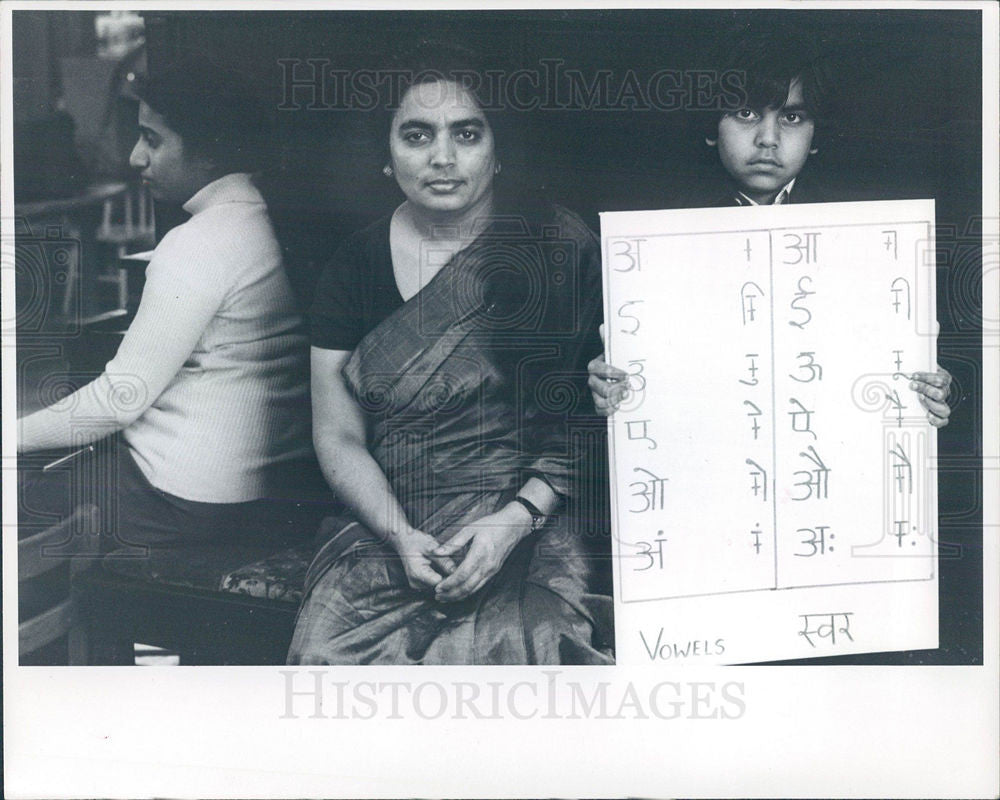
(209, 388)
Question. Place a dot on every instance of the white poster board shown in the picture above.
(773, 482)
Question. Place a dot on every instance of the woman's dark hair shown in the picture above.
(758, 58)
(213, 109)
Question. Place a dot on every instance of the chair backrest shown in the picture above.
(44, 551)
(128, 220)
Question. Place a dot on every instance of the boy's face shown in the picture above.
(763, 149)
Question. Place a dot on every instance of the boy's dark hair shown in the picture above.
(213, 109)
(761, 57)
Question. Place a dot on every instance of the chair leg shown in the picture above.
(72, 279)
(122, 287)
(90, 642)
(106, 649)
(79, 647)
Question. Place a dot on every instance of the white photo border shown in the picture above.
(845, 731)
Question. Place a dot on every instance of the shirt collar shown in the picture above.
(780, 198)
(236, 187)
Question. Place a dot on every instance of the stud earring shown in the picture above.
(496, 168)
(387, 170)
(813, 151)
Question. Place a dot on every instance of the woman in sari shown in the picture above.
(449, 351)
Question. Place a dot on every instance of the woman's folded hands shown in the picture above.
(489, 541)
(424, 567)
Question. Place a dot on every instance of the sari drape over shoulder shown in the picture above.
(470, 388)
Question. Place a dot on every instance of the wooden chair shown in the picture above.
(210, 605)
(68, 218)
(40, 553)
(232, 603)
(127, 223)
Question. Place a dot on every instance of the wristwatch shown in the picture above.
(537, 517)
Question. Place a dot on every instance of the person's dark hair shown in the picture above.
(213, 109)
(760, 58)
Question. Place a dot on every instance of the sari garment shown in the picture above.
(469, 389)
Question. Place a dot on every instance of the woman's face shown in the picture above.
(442, 148)
(171, 173)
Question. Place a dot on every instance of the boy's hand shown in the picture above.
(932, 389)
(608, 384)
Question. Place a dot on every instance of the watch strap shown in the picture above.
(537, 517)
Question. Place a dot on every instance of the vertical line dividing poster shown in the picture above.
(773, 475)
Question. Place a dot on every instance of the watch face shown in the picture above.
(537, 517)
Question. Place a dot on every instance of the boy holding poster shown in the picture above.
(763, 147)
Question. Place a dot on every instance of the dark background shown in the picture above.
(908, 125)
